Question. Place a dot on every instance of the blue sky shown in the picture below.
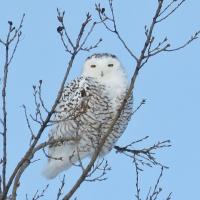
(170, 83)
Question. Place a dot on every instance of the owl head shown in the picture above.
(102, 66)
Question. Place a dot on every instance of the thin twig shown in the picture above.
(61, 188)
(104, 18)
(102, 167)
(193, 37)
(141, 104)
(145, 156)
(167, 7)
(28, 123)
(156, 190)
(61, 20)
(137, 169)
(37, 195)
(40, 96)
(170, 13)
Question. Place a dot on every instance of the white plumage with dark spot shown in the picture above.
(86, 110)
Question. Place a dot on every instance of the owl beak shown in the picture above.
(102, 74)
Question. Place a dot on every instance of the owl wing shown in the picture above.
(82, 103)
(72, 96)
(82, 109)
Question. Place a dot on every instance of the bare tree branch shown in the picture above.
(137, 180)
(171, 12)
(143, 156)
(38, 195)
(52, 142)
(146, 155)
(40, 96)
(25, 161)
(61, 188)
(151, 195)
(104, 18)
(28, 124)
(193, 37)
(60, 19)
(101, 167)
(150, 52)
(157, 189)
(81, 39)
(141, 104)
(8, 58)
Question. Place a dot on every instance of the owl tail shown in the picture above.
(61, 158)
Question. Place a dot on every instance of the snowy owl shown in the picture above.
(86, 110)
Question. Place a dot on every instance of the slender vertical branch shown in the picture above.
(13, 36)
(137, 179)
(5, 76)
(61, 188)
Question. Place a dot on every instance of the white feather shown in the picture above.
(62, 158)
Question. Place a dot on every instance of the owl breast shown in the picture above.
(90, 115)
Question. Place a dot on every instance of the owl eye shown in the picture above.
(92, 66)
(110, 65)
